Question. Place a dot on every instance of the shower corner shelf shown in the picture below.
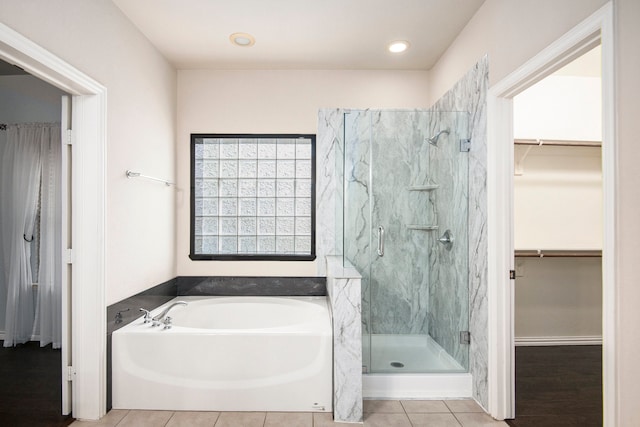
(422, 227)
(428, 187)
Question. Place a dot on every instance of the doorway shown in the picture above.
(87, 228)
(32, 360)
(596, 29)
(558, 247)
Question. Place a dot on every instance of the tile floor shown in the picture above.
(378, 413)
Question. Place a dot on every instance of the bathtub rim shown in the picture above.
(320, 326)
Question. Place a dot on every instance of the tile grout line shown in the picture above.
(125, 415)
(172, 415)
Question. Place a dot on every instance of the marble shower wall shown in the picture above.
(470, 94)
(357, 192)
(389, 169)
(329, 185)
(385, 155)
(448, 313)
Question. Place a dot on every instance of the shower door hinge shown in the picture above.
(465, 337)
(465, 145)
(69, 137)
(69, 256)
(71, 373)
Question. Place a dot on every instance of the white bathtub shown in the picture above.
(228, 354)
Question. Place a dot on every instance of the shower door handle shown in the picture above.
(380, 240)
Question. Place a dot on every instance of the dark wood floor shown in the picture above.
(30, 387)
(558, 386)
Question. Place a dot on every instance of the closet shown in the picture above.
(558, 233)
(558, 207)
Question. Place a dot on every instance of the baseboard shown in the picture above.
(558, 340)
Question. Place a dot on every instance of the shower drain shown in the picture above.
(397, 364)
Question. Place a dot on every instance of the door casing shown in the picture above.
(88, 225)
(596, 29)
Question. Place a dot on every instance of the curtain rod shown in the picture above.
(559, 143)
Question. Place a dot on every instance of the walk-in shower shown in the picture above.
(405, 228)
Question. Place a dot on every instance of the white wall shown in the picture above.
(272, 101)
(510, 32)
(575, 112)
(627, 57)
(558, 198)
(558, 298)
(95, 37)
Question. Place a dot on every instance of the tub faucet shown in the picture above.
(160, 317)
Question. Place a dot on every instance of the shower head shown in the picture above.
(434, 139)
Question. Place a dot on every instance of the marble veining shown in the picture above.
(470, 94)
(448, 280)
(416, 287)
(451, 286)
(328, 186)
(380, 167)
(343, 290)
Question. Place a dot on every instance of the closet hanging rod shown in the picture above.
(558, 143)
(131, 174)
(540, 253)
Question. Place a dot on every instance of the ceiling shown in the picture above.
(300, 34)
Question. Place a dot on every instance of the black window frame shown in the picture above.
(240, 256)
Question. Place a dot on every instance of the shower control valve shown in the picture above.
(447, 240)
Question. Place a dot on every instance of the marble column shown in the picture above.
(343, 290)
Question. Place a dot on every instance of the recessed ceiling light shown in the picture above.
(242, 39)
(398, 46)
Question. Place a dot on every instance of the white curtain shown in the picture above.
(49, 308)
(27, 153)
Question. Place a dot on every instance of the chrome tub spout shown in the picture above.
(160, 317)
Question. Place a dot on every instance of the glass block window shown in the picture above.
(252, 197)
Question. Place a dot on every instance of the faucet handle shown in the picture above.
(167, 322)
(147, 315)
(118, 318)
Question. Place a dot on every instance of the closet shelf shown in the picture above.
(428, 187)
(422, 227)
(570, 253)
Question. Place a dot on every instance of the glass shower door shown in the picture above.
(402, 193)
(401, 225)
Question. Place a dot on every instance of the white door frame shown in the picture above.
(596, 29)
(88, 186)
